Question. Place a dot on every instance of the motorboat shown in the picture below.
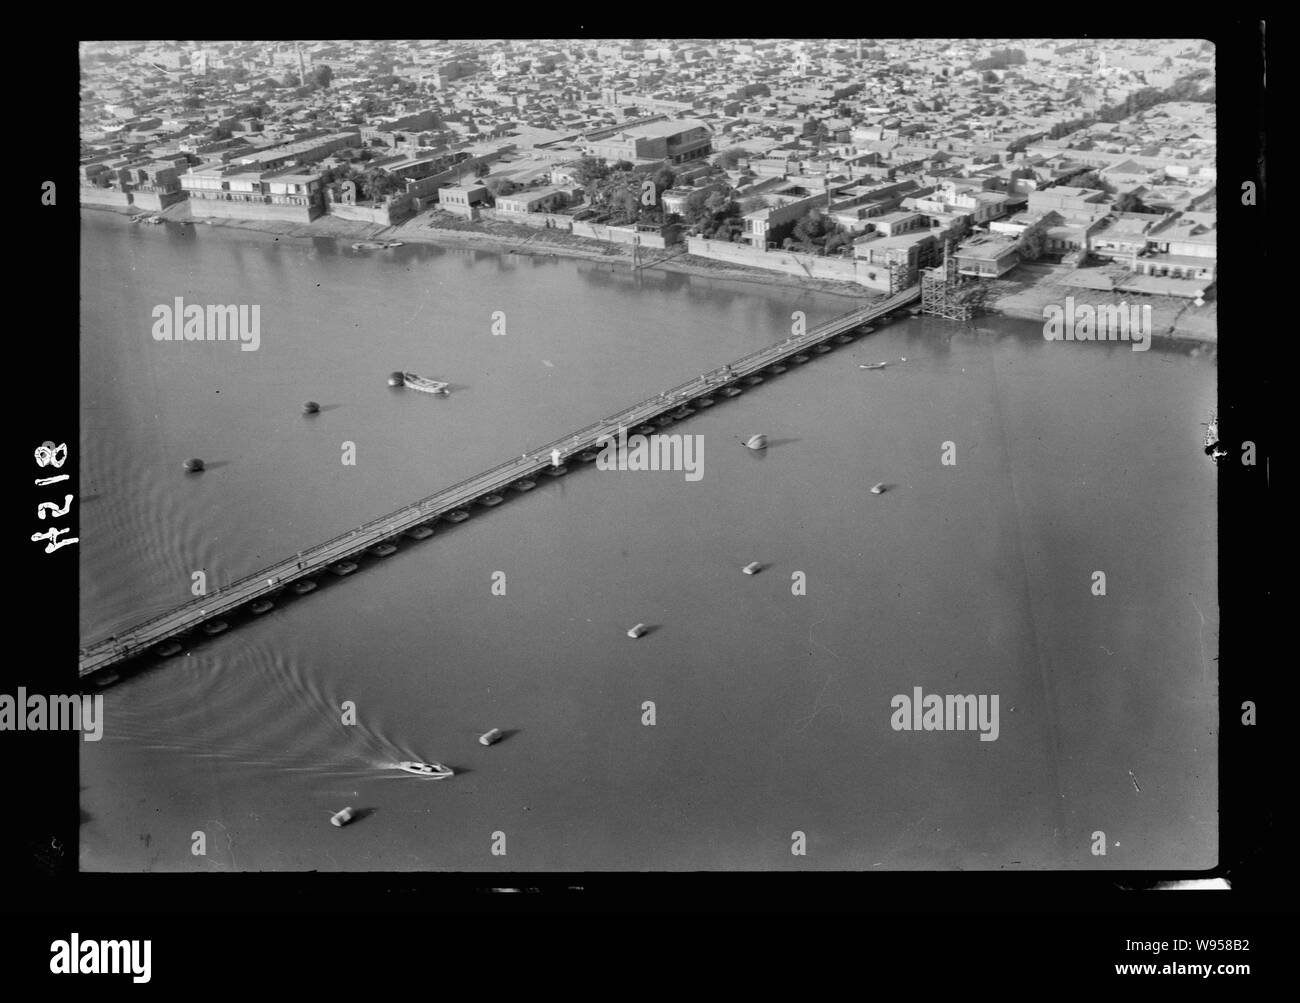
(878, 489)
(435, 771)
(343, 568)
(873, 365)
(637, 631)
(752, 568)
(381, 550)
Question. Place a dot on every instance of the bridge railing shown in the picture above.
(286, 571)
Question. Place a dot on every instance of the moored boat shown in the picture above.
(343, 568)
(168, 648)
(416, 382)
(491, 500)
(524, 485)
(303, 586)
(384, 549)
(637, 631)
(878, 489)
(821, 349)
(752, 568)
(262, 606)
(420, 532)
(873, 365)
(460, 515)
(214, 627)
(556, 471)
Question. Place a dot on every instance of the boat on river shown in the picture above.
(434, 770)
(416, 382)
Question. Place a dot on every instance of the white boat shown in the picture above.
(752, 568)
(873, 365)
(878, 489)
(435, 770)
(637, 631)
(416, 382)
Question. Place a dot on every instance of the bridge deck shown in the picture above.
(188, 616)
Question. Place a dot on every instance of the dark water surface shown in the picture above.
(772, 711)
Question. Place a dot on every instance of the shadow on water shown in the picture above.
(215, 464)
(775, 443)
(329, 407)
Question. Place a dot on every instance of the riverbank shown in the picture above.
(1026, 292)
(1023, 293)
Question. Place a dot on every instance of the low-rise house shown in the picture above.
(987, 257)
(531, 200)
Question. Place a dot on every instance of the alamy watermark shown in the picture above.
(652, 452)
(75, 712)
(953, 712)
(1107, 322)
(179, 321)
(75, 956)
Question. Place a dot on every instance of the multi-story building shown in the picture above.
(234, 191)
(676, 141)
(303, 152)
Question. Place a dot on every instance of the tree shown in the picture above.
(321, 76)
(1032, 244)
(589, 170)
(291, 80)
(730, 158)
(482, 171)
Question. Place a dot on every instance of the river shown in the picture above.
(771, 710)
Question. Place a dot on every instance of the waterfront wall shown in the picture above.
(221, 209)
(617, 234)
(875, 277)
(104, 196)
(377, 214)
(156, 201)
(538, 219)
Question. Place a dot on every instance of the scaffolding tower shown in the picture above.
(946, 294)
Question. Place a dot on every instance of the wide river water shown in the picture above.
(772, 711)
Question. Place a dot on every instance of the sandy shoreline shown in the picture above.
(1020, 294)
